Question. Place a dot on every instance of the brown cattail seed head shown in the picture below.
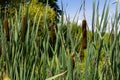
(6, 27)
(24, 28)
(84, 34)
(73, 61)
(52, 32)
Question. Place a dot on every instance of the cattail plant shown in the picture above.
(84, 34)
(24, 28)
(84, 31)
(52, 33)
(6, 27)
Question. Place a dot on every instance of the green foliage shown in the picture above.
(29, 60)
(45, 12)
(53, 4)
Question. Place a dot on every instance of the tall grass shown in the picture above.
(24, 58)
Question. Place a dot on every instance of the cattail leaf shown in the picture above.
(105, 21)
(69, 67)
(54, 77)
(32, 73)
(16, 34)
(103, 14)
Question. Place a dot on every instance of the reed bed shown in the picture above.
(29, 60)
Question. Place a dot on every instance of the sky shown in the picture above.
(71, 7)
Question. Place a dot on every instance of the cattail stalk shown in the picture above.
(6, 27)
(84, 35)
(82, 55)
(24, 26)
(84, 9)
(0, 49)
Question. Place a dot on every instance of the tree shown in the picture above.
(53, 4)
(3, 6)
(4, 2)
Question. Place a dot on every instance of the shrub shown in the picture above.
(45, 12)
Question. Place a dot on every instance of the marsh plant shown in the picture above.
(26, 56)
